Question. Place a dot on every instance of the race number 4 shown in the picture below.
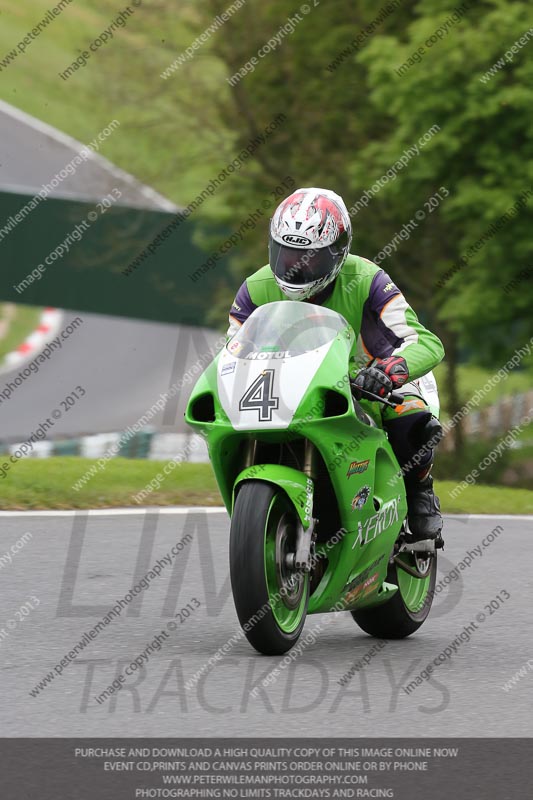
(260, 397)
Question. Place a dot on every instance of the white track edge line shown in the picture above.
(169, 510)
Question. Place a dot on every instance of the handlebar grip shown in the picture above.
(396, 398)
(358, 393)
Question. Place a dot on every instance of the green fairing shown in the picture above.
(295, 484)
(345, 444)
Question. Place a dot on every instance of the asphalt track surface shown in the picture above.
(124, 365)
(77, 565)
(33, 153)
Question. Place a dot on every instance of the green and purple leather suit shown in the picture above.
(385, 325)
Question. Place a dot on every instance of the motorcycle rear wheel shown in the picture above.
(409, 607)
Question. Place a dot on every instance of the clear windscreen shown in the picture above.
(284, 329)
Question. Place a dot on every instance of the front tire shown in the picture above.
(271, 601)
(408, 608)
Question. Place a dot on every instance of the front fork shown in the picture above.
(304, 557)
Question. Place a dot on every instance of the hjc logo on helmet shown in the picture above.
(299, 240)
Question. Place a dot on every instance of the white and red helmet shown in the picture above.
(310, 236)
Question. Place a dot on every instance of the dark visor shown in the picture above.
(299, 267)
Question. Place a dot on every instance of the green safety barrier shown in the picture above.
(126, 261)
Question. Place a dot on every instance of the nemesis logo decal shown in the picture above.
(357, 467)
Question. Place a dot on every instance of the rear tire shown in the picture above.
(270, 601)
(407, 609)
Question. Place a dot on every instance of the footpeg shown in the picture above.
(422, 546)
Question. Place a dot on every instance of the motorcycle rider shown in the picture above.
(310, 261)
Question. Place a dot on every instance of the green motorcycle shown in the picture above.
(313, 488)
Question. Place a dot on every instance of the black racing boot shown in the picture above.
(423, 511)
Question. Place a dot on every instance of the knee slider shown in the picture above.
(427, 432)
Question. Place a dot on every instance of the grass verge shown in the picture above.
(471, 378)
(484, 499)
(37, 484)
(23, 323)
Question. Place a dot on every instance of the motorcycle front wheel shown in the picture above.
(270, 599)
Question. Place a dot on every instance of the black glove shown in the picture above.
(382, 377)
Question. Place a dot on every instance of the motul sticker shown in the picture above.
(269, 354)
(356, 467)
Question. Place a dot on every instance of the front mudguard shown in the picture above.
(297, 486)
